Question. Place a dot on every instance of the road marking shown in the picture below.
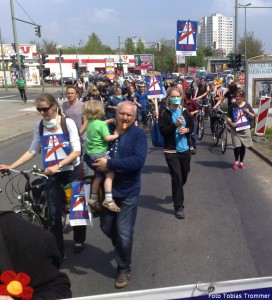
(9, 96)
(28, 109)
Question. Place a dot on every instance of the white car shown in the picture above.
(50, 77)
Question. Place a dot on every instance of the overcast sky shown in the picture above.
(68, 22)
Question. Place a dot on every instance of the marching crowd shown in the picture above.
(106, 134)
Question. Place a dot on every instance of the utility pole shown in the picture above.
(3, 61)
(15, 35)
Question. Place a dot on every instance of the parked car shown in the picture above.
(211, 76)
(67, 81)
(50, 77)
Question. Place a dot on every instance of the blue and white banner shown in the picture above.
(80, 213)
(186, 38)
(154, 86)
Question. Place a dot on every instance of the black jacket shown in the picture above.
(168, 128)
(27, 248)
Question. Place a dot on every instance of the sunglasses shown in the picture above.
(44, 109)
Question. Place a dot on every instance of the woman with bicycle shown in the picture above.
(215, 100)
(239, 115)
(60, 157)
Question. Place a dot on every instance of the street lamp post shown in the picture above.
(245, 6)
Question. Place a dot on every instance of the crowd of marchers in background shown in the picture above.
(106, 121)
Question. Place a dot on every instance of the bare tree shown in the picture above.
(254, 47)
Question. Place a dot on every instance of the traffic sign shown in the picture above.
(186, 38)
(154, 86)
(262, 115)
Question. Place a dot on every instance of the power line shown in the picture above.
(25, 12)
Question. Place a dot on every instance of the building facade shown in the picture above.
(216, 31)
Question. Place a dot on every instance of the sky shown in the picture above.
(70, 22)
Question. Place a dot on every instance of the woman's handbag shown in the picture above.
(156, 137)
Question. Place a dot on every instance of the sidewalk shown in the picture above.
(17, 118)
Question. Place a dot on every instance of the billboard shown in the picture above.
(259, 81)
(144, 61)
(186, 38)
(109, 65)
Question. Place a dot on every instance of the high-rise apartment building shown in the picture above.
(216, 32)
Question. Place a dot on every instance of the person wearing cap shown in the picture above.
(141, 102)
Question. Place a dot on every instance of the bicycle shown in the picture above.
(201, 118)
(150, 115)
(220, 129)
(32, 198)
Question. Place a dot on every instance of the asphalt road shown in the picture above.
(226, 234)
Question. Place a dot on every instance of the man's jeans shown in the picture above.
(119, 227)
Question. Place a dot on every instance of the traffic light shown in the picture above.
(238, 60)
(13, 61)
(44, 58)
(22, 57)
(76, 65)
(38, 31)
(243, 61)
(231, 61)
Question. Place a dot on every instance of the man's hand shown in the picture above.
(101, 164)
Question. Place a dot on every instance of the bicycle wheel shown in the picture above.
(224, 139)
(216, 132)
(29, 216)
(201, 128)
(150, 122)
(63, 220)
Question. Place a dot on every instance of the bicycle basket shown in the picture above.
(37, 188)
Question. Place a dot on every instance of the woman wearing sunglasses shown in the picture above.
(60, 158)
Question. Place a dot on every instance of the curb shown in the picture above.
(262, 155)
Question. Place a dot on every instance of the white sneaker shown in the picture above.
(192, 150)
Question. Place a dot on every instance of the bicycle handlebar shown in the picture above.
(34, 171)
(219, 110)
(201, 104)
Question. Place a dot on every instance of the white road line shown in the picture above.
(9, 96)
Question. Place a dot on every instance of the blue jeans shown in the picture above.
(142, 115)
(55, 199)
(194, 134)
(119, 227)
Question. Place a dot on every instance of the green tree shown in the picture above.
(140, 47)
(95, 46)
(129, 46)
(254, 47)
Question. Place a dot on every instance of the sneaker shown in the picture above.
(179, 213)
(242, 166)
(78, 247)
(235, 167)
(63, 257)
(192, 150)
(122, 280)
(66, 208)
